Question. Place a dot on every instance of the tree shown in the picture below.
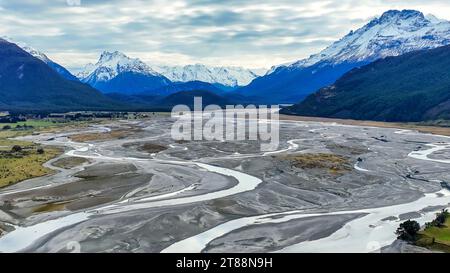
(441, 218)
(408, 230)
(16, 149)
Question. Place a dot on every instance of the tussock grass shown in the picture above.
(27, 164)
(333, 163)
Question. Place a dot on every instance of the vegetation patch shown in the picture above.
(148, 147)
(334, 163)
(69, 162)
(24, 162)
(435, 235)
(152, 148)
(116, 134)
(51, 207)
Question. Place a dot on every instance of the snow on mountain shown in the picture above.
(227, 76)
(112, 64)
(33, 52)
(117, 73)
(41, 56)
(394, 33)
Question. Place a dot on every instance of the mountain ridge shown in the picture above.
(411, 87)
(392, 34)
(28, 83)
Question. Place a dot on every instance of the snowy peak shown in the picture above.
(109, 56)
(393, 33)
(111, 64)
(33, 52)
(227, 76)
(397, 15)
(41, 56)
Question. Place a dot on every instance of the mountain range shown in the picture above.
(41, 56)
(392, 34)
(28, 83)
(412, 87)
(117, 73)
(223, 77)
(370, 73)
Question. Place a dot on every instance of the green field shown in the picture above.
(34, 123)
(25, 165)
(18, 166)
(436, 238)
(440, 234)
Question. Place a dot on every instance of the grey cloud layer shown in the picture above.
(249, 33)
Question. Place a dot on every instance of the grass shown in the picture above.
(34, 123)
(435, 238)
(441, 235)
(334, 163)
(151, 148)
(51, 207)
(27, 164)
(118, 134)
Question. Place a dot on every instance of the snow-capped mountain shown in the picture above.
(112, 64)
(41, 56)
(27, 83)
(116, 72)
(392, 34)
(226, 76)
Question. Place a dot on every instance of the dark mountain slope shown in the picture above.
(187, 98)
(27, 83)
(411, 87)
(392, 34)
(184, 86)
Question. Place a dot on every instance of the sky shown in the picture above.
(247, 33)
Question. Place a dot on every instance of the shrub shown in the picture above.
(16, 149)
(408, 230)
(440, 219)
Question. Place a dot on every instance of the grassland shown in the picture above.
(34, 123)
(117, 134)
(333, 163)
(27, 163)
(436, 238)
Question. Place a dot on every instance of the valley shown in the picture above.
(329, 187)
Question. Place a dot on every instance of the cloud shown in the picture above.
(216, 32)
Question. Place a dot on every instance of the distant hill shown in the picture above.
(27, 83)
(185, 86)
(187, 98)
(411, 87)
